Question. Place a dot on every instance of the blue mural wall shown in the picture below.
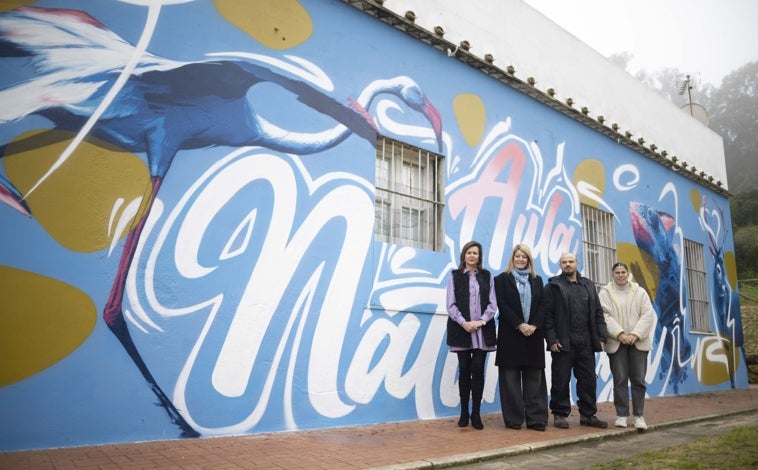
(186, 236)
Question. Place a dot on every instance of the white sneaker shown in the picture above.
(639, 423)
(620, 422)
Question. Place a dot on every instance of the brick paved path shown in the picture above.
(409, 443)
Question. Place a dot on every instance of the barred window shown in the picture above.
(697, 287)
(409, 205)
(599, 245)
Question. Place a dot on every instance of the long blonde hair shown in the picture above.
(529, 264)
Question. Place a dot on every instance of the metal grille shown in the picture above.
(697, 292)
(599, 245)
(409, 205)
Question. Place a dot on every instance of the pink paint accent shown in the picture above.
(9, 198)
(469, 200)
(362, 111)
(77, 15)
(112, 308)
(668, 221)
(562, 236)
(502, 180)
(639, 228)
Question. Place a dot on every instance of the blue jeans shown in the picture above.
(628, 366)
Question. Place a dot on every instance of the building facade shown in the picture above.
(227, 218)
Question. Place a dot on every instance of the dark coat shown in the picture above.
(456, 335)
(513, 348)
(557, 316)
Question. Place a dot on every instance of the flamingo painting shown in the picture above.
(164, 107)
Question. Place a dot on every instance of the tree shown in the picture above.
(670, 82)
(733, 109)
(734, 115)
(745, 208)
(746, 251)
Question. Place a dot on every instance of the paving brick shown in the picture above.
(362, 446)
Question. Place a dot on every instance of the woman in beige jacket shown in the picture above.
(630, 318)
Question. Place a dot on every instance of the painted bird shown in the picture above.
(654, 232)
(164, 107)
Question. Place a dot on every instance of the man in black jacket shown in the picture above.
(574, 331)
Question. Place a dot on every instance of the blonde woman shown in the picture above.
(520, 356)
(630, 318)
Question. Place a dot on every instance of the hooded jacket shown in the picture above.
(635, 317)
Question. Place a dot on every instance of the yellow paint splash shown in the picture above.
(696, 200)
(592, 172)
(709, 362)
(471, 115)
(730, 263)
(8, 5)
(642, 266)
(74, 204)
(42, 320)
(282, 24)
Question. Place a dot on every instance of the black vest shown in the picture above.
(456, 335)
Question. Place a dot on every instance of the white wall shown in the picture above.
(516, 34)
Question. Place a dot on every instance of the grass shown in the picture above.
(749, 290)
(737, 448)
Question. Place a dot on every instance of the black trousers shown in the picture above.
(582, 362)
(471, 377)
(523, 395)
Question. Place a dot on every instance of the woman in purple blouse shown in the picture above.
(471, 307)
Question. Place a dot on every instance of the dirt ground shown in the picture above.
(750, 331)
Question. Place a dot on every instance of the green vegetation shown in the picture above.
(736, 449)
(733, 110)
(749, 293)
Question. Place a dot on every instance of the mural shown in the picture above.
(200, 175)
(728, 339)
(657, 234)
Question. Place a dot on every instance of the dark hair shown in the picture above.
(465, 248)
(613, 268)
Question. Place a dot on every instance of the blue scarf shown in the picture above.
(524, 291)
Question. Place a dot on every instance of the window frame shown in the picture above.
(409, 180)
(697, 287)
(598, 244)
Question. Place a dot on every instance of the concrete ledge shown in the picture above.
(503, 452)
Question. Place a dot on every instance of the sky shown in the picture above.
(706, 39)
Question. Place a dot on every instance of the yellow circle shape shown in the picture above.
(641, 265)
(590, 172)
(696, 200)
(471, 116)
(76, 202)
(279, 25)
(716, 362)
(42, 320)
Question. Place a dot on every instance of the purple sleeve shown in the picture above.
(489, 312)
(452, 308)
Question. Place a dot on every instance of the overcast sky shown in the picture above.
(706, 38)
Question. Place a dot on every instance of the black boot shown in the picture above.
(464, 389)
(463, 420)
(477, 390)
(476, 419)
